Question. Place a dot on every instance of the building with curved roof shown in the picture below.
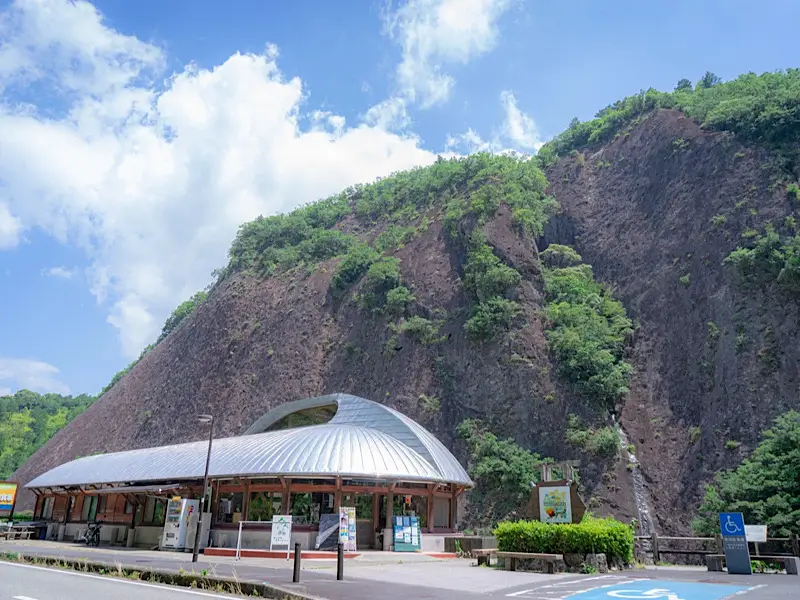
(306, 458)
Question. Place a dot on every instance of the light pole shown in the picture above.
(210, 420)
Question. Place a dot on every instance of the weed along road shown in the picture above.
(26, 582)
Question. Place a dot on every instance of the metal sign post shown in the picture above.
(734, 542)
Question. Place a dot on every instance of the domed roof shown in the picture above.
(363, 440)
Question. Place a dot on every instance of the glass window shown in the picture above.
(89, 512)
(306, 508)
(47, 508)
(102, 501)
(128, 507)
(230, 507)
(154, 511)
(263, 505)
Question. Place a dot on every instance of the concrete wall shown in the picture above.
(226, 538)
(147, 537)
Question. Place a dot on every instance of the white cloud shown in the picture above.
(434, 33)
(32, 375)
(518, 134)
(59, 272)
(520, 128)
(10, 228)
(151, 182)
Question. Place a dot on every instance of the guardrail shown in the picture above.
(700, 546)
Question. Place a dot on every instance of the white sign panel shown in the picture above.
(281, 532)
(555, 505)
(755, 533)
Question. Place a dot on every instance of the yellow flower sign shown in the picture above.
(555, 505)
(8, 493)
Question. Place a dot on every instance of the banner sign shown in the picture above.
(8, 495)
(347, 528)
(555, 505)
(734, 542)
(328, 535)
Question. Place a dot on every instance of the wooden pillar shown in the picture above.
(430, 514)
(286, 497)
(454, 508)
(376, 511)
(246, 501)
(337, 495)
(654, 543)
(389, 508)
(36, 508)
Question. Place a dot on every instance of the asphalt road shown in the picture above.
(24, 582)
(410, 581)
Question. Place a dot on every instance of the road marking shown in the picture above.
(23, 598)
(114, 580)
(542, 592)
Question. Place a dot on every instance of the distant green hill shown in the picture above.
(28, 420)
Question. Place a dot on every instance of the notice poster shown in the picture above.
(8, 494)
(407, 537)
(555, 505)
(347, 528)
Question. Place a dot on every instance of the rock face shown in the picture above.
(641, 210)
(715, 361)
(257, 343)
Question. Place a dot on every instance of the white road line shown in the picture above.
(747, 591)
(23, 598)
(113, 580)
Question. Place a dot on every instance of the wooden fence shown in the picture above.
(658, 546)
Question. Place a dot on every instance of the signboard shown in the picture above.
(406, 532)
(555, 505)
(755, 533)
(347, 528)
(281, 532)
(8, 496)
(328, 535)
(734, 541)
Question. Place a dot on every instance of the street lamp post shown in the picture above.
(210, 420)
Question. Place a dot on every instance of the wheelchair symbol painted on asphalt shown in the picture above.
(645, 595)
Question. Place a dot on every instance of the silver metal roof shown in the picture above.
(364, 440)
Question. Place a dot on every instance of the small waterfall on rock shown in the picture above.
(643, 510)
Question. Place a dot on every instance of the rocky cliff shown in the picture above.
(655, 209)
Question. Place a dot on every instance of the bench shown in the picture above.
(511, 558)
(714, 562)
(15, 535)
(484, 555)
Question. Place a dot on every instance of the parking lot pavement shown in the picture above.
(670, 584)
(421, 578)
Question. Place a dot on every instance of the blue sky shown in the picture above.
(124, 173)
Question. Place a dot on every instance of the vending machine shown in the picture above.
(176, 523)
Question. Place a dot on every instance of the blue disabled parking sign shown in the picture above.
(654, 589)
(731, 524)
(734, 542)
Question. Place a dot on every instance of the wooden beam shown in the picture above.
(337, 494)
(429, 512)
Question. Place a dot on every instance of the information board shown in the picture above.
(555, 505)
(281, 532)
(347, 528)
(755, 533)
(8, 496)
(734, 542)
(407, 537)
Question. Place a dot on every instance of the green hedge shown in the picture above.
(608, 536)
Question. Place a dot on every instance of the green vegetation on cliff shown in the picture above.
(28, 420)
(765, 487)
(590, 330)
(758, 108)
(502, 471)
(768, 259)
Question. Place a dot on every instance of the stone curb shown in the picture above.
(162, 576)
